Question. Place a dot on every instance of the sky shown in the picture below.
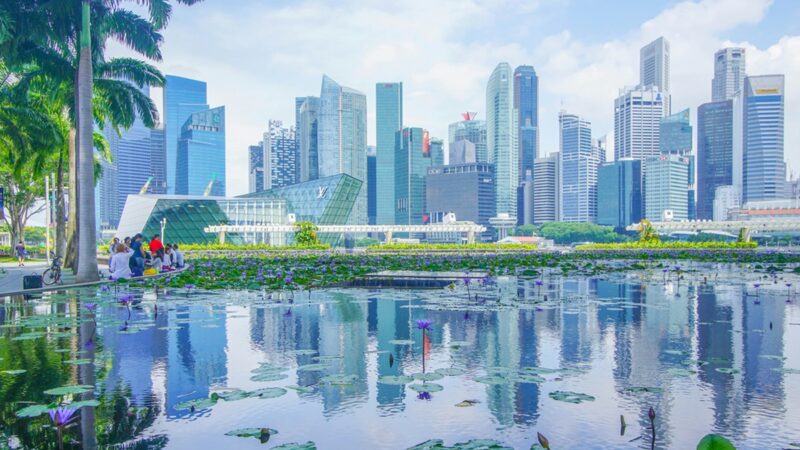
(257, 56)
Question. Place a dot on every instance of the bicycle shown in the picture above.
(53, 274)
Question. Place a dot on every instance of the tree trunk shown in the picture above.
(60, 225)
(87, 237)
(71, 258)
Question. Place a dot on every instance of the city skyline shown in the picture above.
(582, 70)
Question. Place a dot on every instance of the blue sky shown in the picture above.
(257, 56)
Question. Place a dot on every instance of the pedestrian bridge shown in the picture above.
(468, 228)
(731, 226)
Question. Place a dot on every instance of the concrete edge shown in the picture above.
(93, 283)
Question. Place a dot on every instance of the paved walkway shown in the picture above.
(11, 274)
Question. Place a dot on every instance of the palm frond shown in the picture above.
(134, 31)
(137, 72)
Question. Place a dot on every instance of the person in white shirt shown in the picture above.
(120, 263)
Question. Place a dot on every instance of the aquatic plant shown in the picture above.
(62, 417)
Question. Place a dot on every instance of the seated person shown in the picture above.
(119, 264)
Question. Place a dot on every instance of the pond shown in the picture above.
(711, 349)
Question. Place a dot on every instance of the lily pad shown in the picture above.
(528, 378)
(395, 379)
(426, 387)
(82, 403)
(232, 395)
(295, 446)
(401, 342)
(492, 379)
(786, 370)
(481, 444)
(33, 410)
(715, 442)
(252, 432)
(302, 352)
(570, 397)
(301, 389)
(78, 362)
(67, 390)
(270, 392)
(313, 367)
(459, 344)
(269, 376)
(450, 371)
(728, 370)
(196, 404)
(431, 444)
(339, 379)
(644, 390)
(467, 403)
(429, 376)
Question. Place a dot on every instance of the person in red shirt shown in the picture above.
(156, 245)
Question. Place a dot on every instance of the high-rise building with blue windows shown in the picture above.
(654, 65)
(413, 158)
(665, 188)
(526, 103)
(501, 138)
(307, 143)
(467, 141)
(764, 170)
(388, 121)
(342, 138)
(182, 98)
(619, 188)
(372, 184)
(158, 160)
(280, 156)
(637, 122)
(579, 160)
(714, 153)
(675, 138)
(201, 154)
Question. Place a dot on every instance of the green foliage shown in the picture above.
(306, 235)
(492, 247)
(715, 442)
(246, 247)
(648, 234)
(673, 245)
(367, 242)
(570, 233)
(524, 230)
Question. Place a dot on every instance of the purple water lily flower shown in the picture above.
(125, 298)
(188, 286)
(288, 279)
(424, 324)
(539, 282)
(105, 288)
(466, 280)
(90, 306)
(89, 345)
(424, 396)
(61, 415)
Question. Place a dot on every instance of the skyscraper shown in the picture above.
(256, 168)
(388, 121)
(729, 73)
(526, 102)
(158, 160)
(654, 65)
(619, 187)
(372, 185)
(665, 187)
(501, 138)
(307, 141)
(467, 190)
(637, 120)
(467, 140)
(763, 168)
(201, 154)
(579, 163)
(412, 160)
(545, 187)
(280, 156)
(676, 139)
(182, 98)
(342, 138)
(714, 153)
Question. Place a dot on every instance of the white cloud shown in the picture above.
(256, 57)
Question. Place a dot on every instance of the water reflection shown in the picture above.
(706, 357)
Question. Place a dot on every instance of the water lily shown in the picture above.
(61, 415)
(90, 306)
(424, 396)
(424, 324)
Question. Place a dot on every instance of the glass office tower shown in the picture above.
(342, 138)
(619, 190)
(201, 154)
(579, 163)
(526, 102)
(413, 158)
(388, 121)
(714, 153)
(764, 167)
(501, 138)
(182, 98)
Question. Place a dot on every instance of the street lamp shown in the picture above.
(163, 226)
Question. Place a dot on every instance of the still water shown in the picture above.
(709, 353)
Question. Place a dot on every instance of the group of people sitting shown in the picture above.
(133, 257)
